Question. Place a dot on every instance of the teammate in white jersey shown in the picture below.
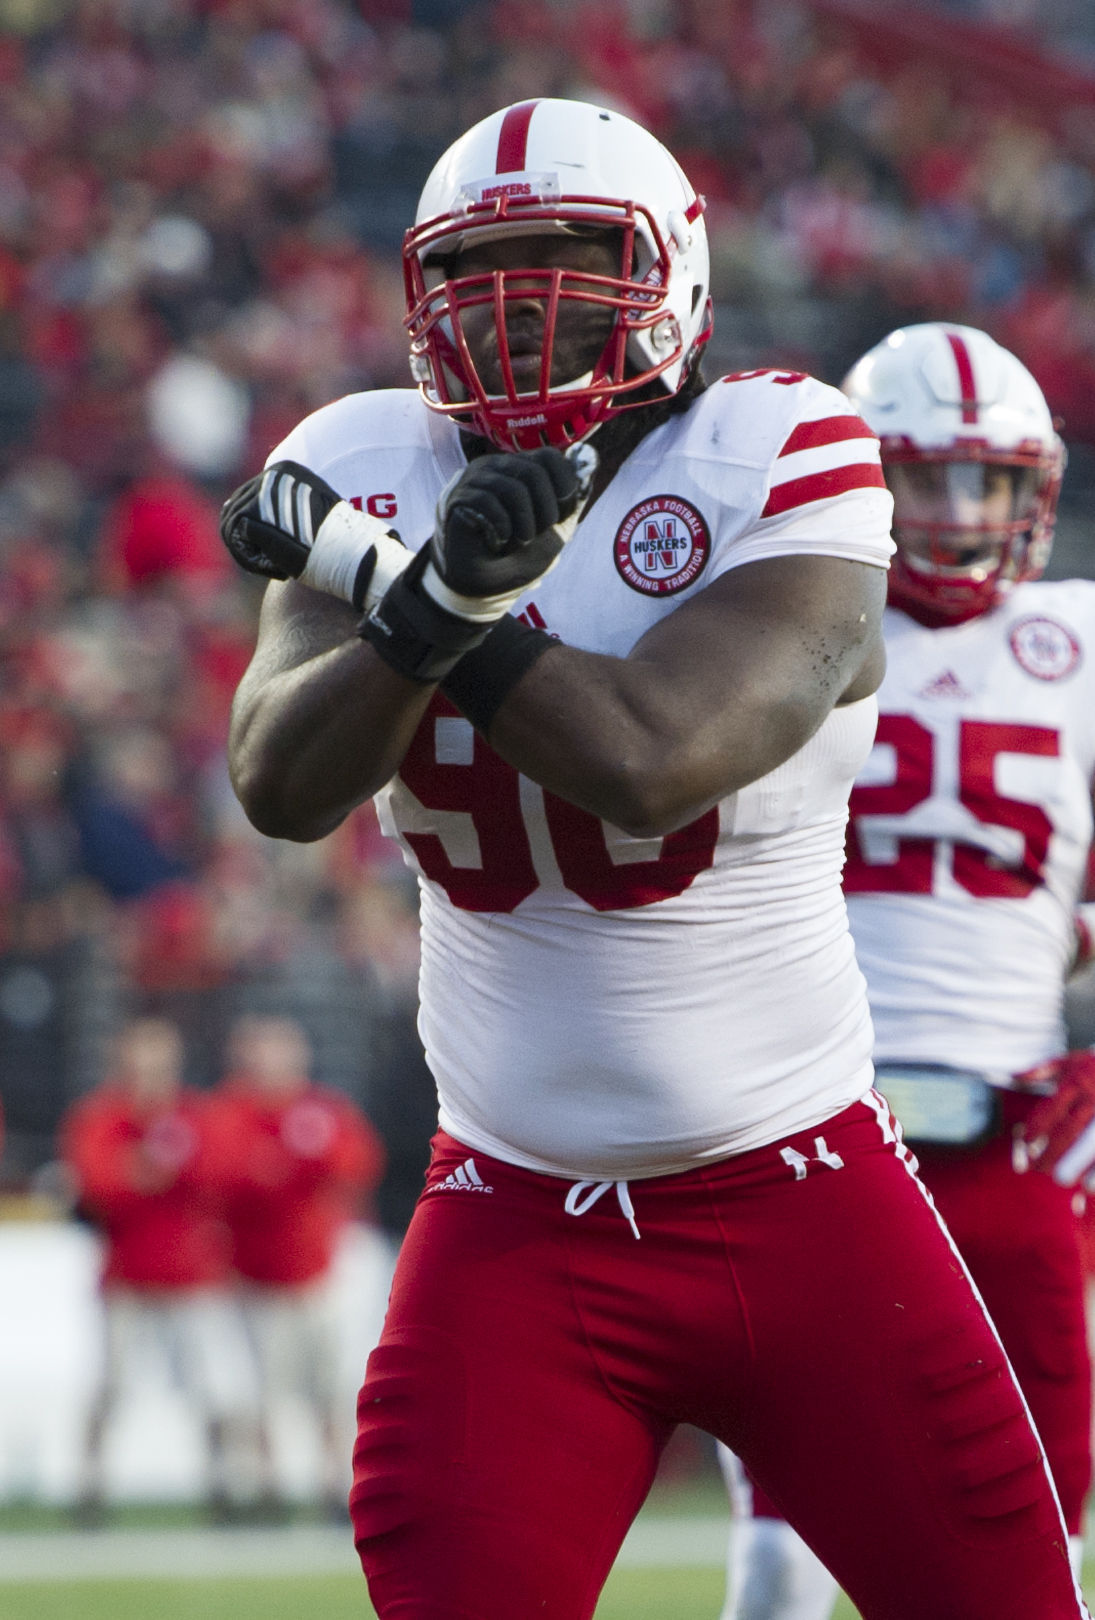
(612, 697)
(967, 853)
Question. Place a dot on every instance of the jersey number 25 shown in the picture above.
(980, 873)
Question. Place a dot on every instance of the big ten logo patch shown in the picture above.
(1045, 649)
(378, 506)
(661, 546)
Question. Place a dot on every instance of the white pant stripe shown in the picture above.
(1076, 1159)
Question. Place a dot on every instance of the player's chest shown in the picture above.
(1030, 672)
(640, 551)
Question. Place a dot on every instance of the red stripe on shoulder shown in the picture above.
(513, 138)
(829, 430)
(821, 485)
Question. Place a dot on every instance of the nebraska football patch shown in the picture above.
(1044, 648)
(661, 546)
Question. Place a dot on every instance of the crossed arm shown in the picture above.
(715, 696)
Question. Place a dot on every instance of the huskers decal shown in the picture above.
(661, 546)
(1044, 648)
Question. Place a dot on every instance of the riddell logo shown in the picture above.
(465, 1178)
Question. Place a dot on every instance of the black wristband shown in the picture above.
(412, 633)
(486, 675)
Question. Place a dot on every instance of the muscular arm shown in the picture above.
(712, 698)
(319, 722)
(715, 696)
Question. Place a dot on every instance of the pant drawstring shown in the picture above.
(577, 1205)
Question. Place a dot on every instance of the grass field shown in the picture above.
(631, 1594)
(150, 1562)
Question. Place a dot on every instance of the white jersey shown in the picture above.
(970, 829)
(573, 1025)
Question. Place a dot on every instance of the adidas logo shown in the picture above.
(465, 1178)
(946, 685)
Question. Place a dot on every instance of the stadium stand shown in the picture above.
(201, 204)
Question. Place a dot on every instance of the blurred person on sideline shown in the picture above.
(623, 781)
(969, 834)
(149, 1169)
(305, 1162)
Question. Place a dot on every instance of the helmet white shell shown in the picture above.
(941, 393)
(938, 386)
(553, 165)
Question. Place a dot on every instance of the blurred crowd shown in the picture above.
(1066, 28)
(201, 205)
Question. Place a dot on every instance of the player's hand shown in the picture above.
(288, 523)
(504, 520)
(1059, 1133)
(501, 525)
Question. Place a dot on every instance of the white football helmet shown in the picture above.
(974, 463)
(534, 169)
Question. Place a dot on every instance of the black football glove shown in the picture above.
(500, 521)
(288, 523)
(501, 525)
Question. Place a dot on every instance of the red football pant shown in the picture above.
(802, 1302)
(1020, 1238)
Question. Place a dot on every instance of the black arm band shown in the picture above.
(412, 634)
(485, 676)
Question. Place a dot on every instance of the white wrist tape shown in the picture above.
(476, 609)
(344, 538)
(486, 609)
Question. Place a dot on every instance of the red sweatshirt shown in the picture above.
(154, 1184)
(302, 1166)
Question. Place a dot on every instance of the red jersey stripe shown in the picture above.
(828, 430)
(513, 138)
(820, 485)
(965, 376)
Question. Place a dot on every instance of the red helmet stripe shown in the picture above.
(965, 376)
(513, 138)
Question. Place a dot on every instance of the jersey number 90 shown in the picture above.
(488, 790)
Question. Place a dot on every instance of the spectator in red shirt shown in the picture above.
(149, 1173)
(304, 1161)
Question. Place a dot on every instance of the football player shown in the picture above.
(611, 683)
(968, 841)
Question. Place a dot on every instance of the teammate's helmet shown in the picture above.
(972, 459)
(533, 169)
